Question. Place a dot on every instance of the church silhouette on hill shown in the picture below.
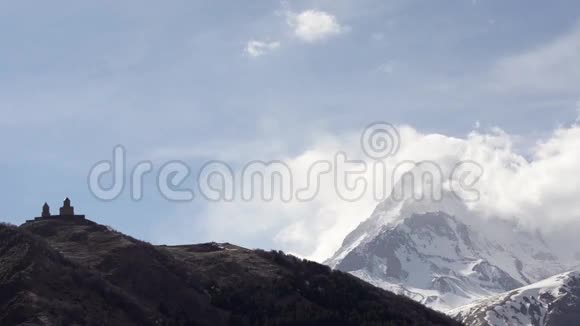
(66, 211)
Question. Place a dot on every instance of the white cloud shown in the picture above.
(313, 25)
(541, 191)
(258, 48)
(551, 68)
(540, 187)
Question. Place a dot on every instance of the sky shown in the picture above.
(296, 81)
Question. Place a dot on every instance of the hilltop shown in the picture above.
(63, 270)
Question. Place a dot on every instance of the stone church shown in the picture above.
(66, 211)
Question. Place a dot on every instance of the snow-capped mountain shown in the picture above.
(442, 254)
(552, 302)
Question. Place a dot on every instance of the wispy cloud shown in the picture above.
(313, 25)
(258, 48)
(386, 68)
(551, 68)
(377, 36)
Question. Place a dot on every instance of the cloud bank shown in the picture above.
(537, 185)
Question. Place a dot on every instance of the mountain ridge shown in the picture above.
(554, 301)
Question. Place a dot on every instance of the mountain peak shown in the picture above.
(442, 254)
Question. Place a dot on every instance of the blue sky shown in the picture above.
(195, 80)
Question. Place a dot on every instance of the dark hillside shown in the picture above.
(65, 271)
